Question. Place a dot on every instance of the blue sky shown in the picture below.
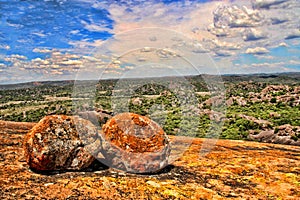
(53, 39)
(26, 25)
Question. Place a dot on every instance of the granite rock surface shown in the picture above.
(232, 170)
(60, 142)
(135, 143)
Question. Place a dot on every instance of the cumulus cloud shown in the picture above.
(257, 50)
(247, 24)
(58, 65)
(39, 50)
(293, 35)
(236, 16)
(224, 29)
(15, 57)
(253, 34)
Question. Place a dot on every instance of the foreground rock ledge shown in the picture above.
(55, 143)
(233, 170)
(135, 143)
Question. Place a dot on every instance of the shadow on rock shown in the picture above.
(95, 166)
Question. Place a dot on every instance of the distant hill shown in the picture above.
(289, 77)
(279, 78)
(35, 84)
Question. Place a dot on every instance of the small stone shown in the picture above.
(58, 142)
(134, 143)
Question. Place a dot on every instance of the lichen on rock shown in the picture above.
(134, 143)
(60, 142)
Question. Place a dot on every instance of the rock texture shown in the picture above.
(57, 143)
(10, 127)
(98, 118)
(135, 143)
(232, 170)
(284, 134)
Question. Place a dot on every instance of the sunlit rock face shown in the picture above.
(135, 143)
(60, 142)
(127, 141)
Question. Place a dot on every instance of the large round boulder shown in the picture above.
(60, 142)
(134, 143)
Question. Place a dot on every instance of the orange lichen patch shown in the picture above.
(232, 170)
(57, 143)
(134, 133)
(134, 143)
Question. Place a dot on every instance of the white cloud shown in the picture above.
(2, 46)
(71, 62)
(236, 17)
(38, 50)
(58, 66)
(40, 34)
(266, 64)
(15, 57)
(253, 34)
(257, 50)
(265, 57)
(283, 44)
(294, 62)
(294, 34)
(244, 24)
(95, 27)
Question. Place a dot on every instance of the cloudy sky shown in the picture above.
(64, 39)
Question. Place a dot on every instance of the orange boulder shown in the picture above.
(134, 143)
(59, 142)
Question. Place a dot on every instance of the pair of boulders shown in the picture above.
(127, 141)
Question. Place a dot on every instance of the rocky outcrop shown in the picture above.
(274, 88)
(135, 143)
(270, 94)
(285, 134)
(214, 101)
(263, 123)
(58, 142)
(239, 100)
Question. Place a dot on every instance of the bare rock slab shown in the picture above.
(58, 142)
(134, 143)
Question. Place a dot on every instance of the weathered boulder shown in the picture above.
(60, 142)
(134, 143)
